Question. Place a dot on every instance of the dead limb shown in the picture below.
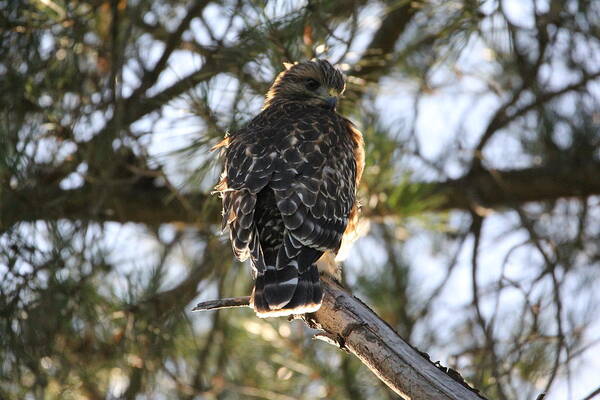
(351, 325)
(229, 302)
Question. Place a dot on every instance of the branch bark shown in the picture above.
(229, 302)
(408, 372)
(497, 189)
(153, 205)
(375, 60)
(147, 204)
(350, 324)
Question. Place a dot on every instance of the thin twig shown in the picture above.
(486, 328)
(593, 394)
(229, 302)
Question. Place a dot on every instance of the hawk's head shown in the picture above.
(314, 82)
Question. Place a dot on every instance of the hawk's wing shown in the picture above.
(248, 169)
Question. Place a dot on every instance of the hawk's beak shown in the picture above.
(331, 102)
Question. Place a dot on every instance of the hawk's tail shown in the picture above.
(286, 291)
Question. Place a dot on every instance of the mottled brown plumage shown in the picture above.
(289, 187)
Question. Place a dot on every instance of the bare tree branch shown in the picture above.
(149, 205)
(375, 60)
(487, 327)
(592, 395)
(155, 205)
(501, 188)
(351, 325)
(229, 302)
(506, 114)
(171, 43)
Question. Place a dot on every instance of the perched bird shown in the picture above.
(289, 187)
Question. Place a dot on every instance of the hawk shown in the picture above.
(289, 187)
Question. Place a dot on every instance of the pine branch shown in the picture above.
(481, 191)
(487, 190)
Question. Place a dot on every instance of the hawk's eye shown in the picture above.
(312, 84)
